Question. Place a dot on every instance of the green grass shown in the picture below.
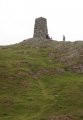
(32, 86)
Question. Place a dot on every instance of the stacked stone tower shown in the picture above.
(40, 28)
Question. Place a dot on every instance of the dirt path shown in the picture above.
(44, 92)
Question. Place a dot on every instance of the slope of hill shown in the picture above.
(41, 80)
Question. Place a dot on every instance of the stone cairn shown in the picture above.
(40, 28)
(63, 37)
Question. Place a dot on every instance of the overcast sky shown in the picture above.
(17, 19)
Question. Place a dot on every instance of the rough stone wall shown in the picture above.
(40, 28)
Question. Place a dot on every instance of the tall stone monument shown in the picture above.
(40, 28)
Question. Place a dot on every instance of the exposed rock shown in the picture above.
(22, 52)
(60, 70)
(25, 83)
(60, 118)
(78, 68)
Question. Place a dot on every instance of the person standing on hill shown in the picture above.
(63, 37)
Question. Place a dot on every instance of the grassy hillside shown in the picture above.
(41, 80)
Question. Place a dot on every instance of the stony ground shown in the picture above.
(41, 80)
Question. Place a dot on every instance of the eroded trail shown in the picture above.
(42, 87)
(44, 91)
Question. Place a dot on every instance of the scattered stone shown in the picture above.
(22, 73)
(81, 56)
(60, 118)
(24, 64)
(25, 83)
(50, 60)
(37, 47)
(56, 95)
(5, 48)
(4, 87)
(60, 70)
(22, 52)
(78, 68)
